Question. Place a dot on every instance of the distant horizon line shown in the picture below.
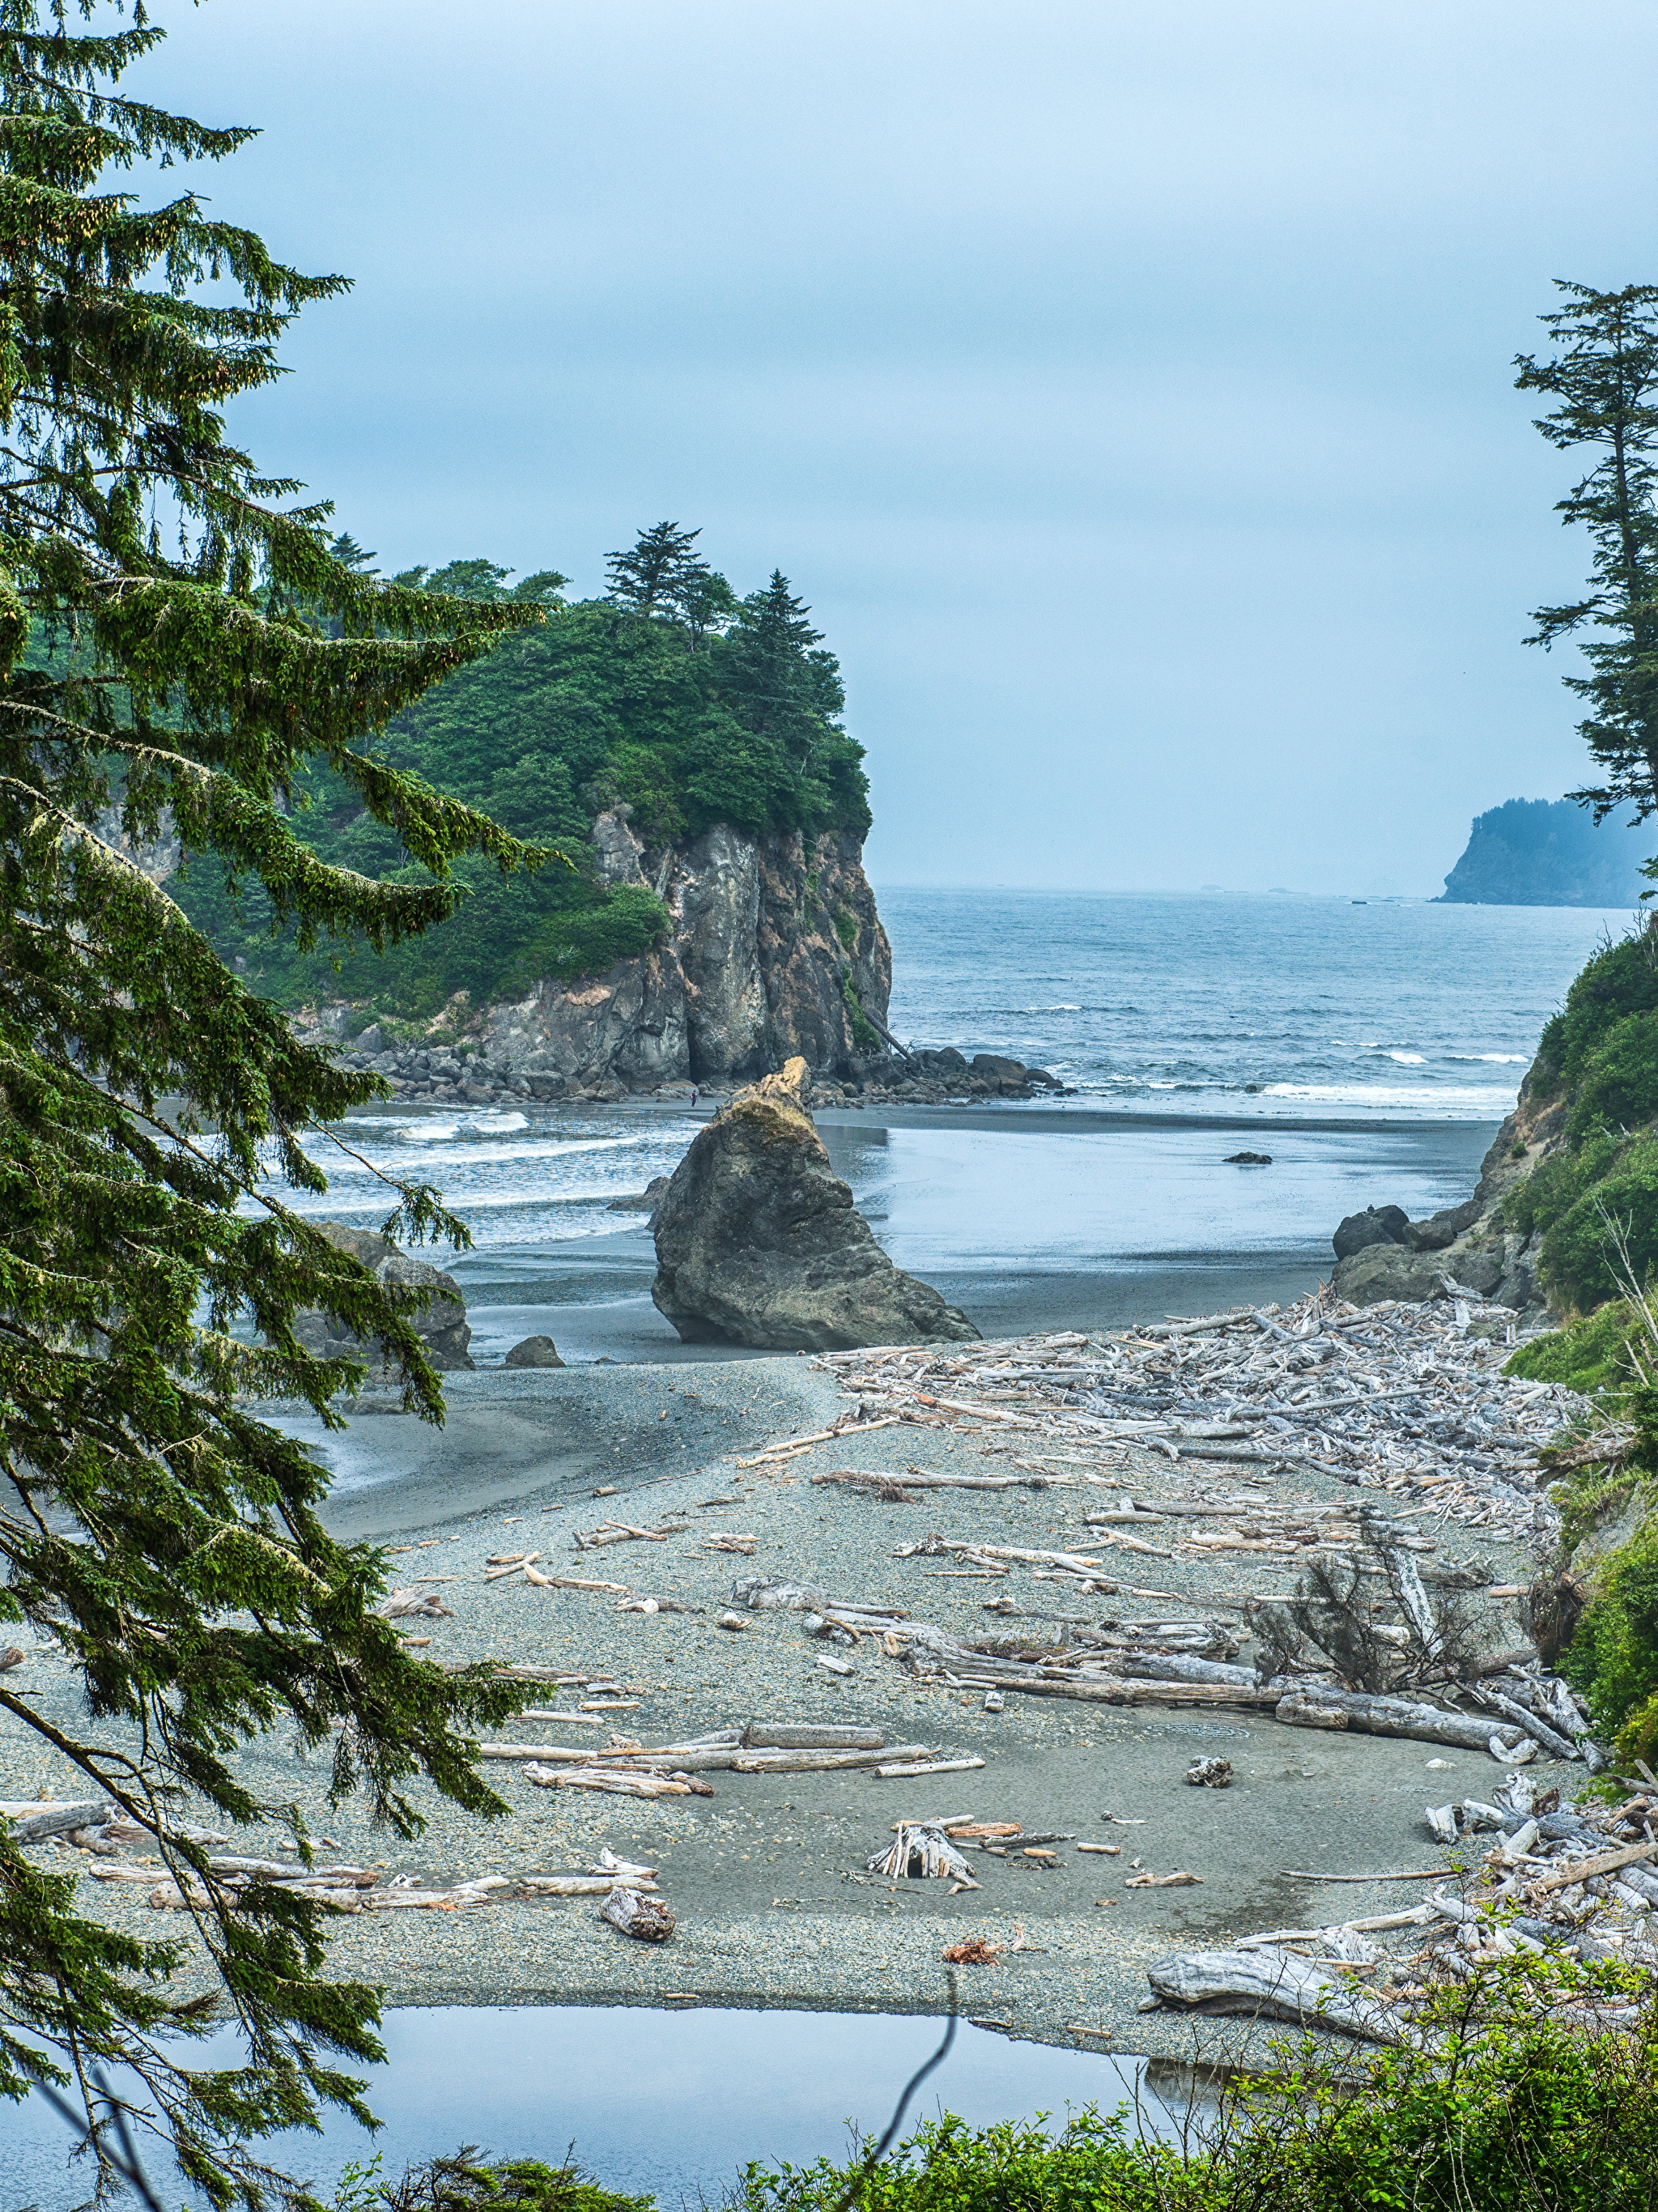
(884, 883)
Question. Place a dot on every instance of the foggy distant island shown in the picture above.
(1541, 852)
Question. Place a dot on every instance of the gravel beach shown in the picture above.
(767, 1875)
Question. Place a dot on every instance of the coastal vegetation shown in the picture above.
(1591, 1099)
(669, 696)
(179, 648)
(1593, 1092)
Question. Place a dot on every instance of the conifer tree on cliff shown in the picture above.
(175, 641)
(1605, 379)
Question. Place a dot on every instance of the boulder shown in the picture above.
(1377, 1225)
(994, 1069)
(1394, 1271)
(534, 1351)
(442, 1327)
(758, 1242)
(1440, 1230)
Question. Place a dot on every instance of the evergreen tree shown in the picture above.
(159, 1533)
(661, 577)
(783, 685)
(1606, 379)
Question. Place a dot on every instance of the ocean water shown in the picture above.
(1242, 1005)
(1372, 1049)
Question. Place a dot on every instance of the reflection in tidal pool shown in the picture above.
(667, 2104)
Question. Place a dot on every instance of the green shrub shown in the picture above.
(1579, 1260)
(1512, 2111)
(1556, 1184)
(845, 927)
(1617, 1087)
(1591, 1355)
(864, 1035)
(470, 2182)
(629, 922)
(1621, 981)
(1613, 1657)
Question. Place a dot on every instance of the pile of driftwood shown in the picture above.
(628, 1768)
(1571, 1882)
(1405, 1398)
(1331, 1658)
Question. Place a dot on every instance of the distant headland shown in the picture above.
(1541, 852)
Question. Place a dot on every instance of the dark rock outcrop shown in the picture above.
(758, 1242)
(534, 1351)
(1465, 1246)
(443, 1326)
(775, 948)
(1440, 1230)
(1377, 1225)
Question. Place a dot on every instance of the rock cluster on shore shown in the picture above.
(758, 1241)
(500, 1067)
(442, 1328)
(1381, 1253)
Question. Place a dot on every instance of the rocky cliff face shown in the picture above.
(1381, 1254)
(776, 949)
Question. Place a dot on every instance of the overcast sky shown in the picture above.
(1128, 389)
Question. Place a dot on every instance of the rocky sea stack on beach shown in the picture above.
(758, 1241)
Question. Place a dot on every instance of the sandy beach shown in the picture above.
(767, 1875)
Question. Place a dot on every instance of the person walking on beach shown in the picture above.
(695, 1094)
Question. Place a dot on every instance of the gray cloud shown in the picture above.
(1127, 388)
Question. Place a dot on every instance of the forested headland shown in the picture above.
(669, 695)
(1541, 852)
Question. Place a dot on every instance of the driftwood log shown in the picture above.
(1379, 1716)
(1557, 1746)
(914, 1479)
(1270, 1984)
(32, 1819)
(808, 1736)
(606, 1779)
(635, 1914)
(703, 1758)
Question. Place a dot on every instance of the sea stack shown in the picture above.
(758, 1242)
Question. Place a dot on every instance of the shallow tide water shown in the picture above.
(667, 2104)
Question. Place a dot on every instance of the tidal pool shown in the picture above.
(667, 2104)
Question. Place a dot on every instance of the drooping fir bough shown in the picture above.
(176, 642)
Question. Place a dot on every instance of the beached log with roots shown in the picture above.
(1401, 1636)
